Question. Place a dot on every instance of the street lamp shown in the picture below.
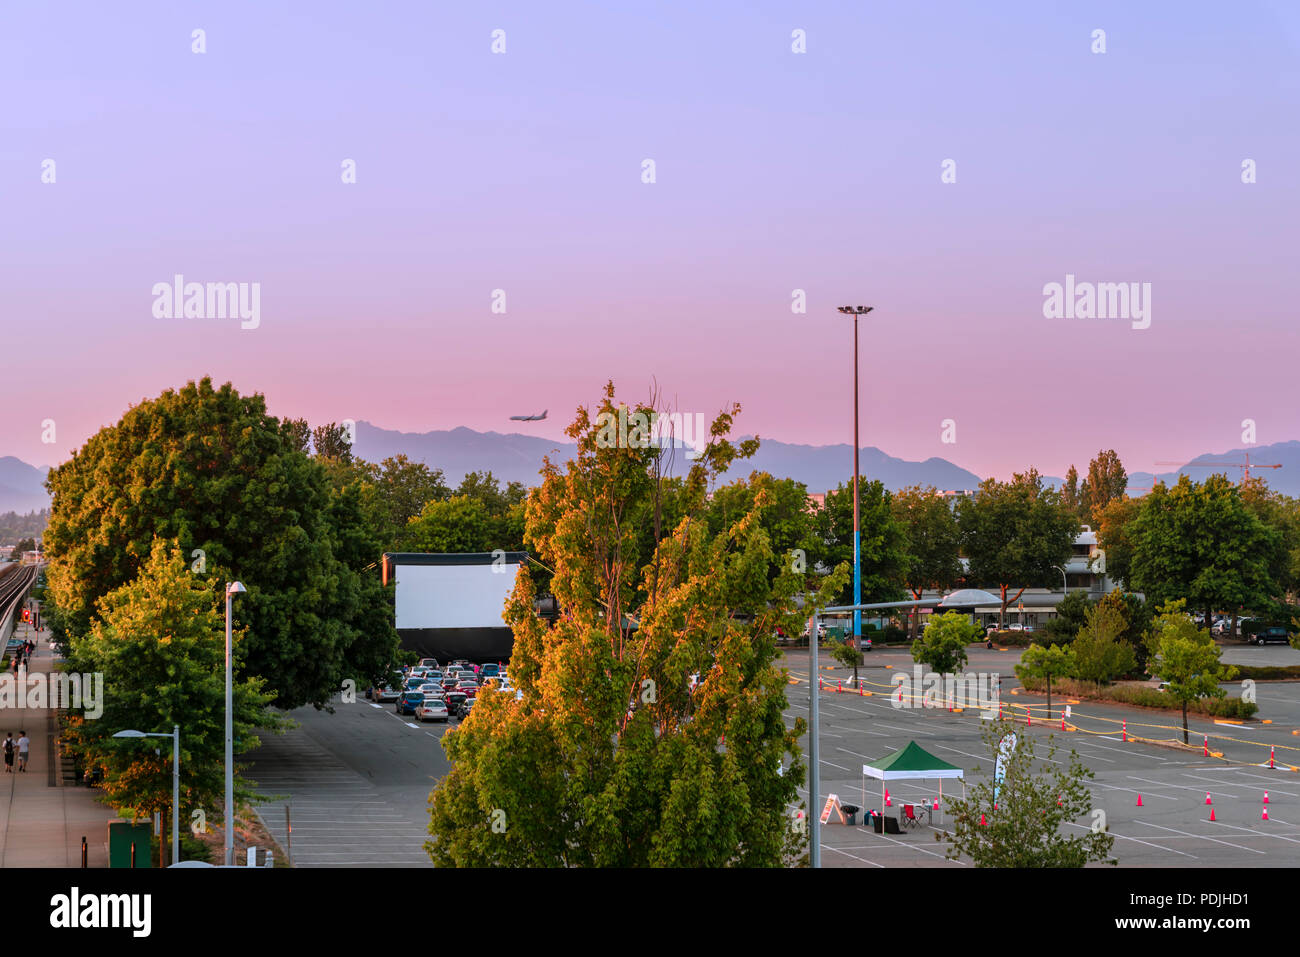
(176, 779)
(856, 312)
(233, 589)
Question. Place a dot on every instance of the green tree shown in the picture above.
(932, 542)
(1099, 653)
(1187, 658)
(1072, 496)
(1202, 543)
(329, 441)
(159, 644)
(788, 520)
(212, 470)
(942, 645)
(1021, 821)
(1138, 618)
(1105, 483)
(1071, 616)
(396, 491)
(613, 755)
(1114, 534)
(882, 541)
(1014, 533)
(459, 524)
(1054, 661)
(24, 545)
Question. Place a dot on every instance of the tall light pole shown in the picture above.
(176, 779)
(856, 312)
(233, 589)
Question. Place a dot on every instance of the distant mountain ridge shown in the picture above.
(515, 457)
(22, 486)
(1285, 480)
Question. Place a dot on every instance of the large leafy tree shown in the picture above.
(787, 519)
(1202, 543)
(1046, 663)
(933, 543)
(612, 755)
(158, 642)
(213, 471)
(883, 543)
(1013, 533)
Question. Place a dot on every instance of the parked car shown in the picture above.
(432, 709)
(429, 663)
(384, 694)
(1270, 634)
(489, 671)
(412, 684)
(408, 701)
(469, 687)
(454, 699)
(466, 707)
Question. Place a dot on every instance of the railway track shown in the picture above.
(15, 583)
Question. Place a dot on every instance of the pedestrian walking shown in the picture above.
(24, 745)
(9, 752)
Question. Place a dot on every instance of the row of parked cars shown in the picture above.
(430, 692)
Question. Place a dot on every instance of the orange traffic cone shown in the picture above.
(936, 804)
(1058, 801)
(888, 802)
(1207, 798)
(983, 823)
(1211, 814)
(1265, 817)
(1062, 722)
(1265, 797)
(1139, 804)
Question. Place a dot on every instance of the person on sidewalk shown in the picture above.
(9, 753)
(24, 744)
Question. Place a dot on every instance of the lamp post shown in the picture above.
(233, 589)
(856, 312)
(176, 779)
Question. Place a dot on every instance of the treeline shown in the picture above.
(15, 528)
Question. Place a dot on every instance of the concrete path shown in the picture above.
(42, 822)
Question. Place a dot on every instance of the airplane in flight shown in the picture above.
(529, 418)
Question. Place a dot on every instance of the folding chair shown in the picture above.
(909, 816)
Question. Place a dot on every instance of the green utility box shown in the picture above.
(120, 836)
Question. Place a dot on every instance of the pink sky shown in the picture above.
(775, 172)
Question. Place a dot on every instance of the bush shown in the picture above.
(1144, 696)
(1263, 673)
(894, 635)
(1016, 639)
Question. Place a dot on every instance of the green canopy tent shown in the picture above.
(909, 764)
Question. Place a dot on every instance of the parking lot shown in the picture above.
(1172, 828)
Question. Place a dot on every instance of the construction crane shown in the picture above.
(1245, 466)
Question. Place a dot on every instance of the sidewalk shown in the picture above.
(41, 822)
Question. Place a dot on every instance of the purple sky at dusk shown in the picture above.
(775, 171)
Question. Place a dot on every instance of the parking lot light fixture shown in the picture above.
(233, 589)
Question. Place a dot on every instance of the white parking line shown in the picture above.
(1201, 837)
(1125, 837)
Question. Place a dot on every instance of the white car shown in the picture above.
(433, 709)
